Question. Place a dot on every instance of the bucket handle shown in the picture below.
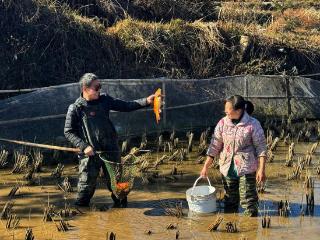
(195, 183)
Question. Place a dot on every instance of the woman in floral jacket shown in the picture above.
(240, 141)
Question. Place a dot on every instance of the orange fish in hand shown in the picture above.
(157, 104)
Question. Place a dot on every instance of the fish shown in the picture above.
(122, 186)
(122, 189)
(157, 104)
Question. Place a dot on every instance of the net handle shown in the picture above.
(117, 163)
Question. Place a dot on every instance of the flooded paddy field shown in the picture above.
(163, 188)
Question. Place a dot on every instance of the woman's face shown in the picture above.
(230, 112)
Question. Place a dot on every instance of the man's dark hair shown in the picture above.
(87, 79)
(238, 102)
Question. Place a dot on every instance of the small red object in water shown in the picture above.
(123, 186)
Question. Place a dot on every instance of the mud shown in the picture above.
(145, 218)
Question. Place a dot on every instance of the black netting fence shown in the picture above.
(189, 103)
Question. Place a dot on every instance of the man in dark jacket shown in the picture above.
(89, 128)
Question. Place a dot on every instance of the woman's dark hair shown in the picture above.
(238, 102)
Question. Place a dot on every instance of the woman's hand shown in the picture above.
(204, 172)
(260, 176)
(261, 173)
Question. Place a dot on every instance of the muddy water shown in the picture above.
(145, 213)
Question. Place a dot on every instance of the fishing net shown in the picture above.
(121, 175)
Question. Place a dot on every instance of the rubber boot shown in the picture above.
(80, 203)
(116, 201)
(124, 202)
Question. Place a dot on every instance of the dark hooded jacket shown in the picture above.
(88, 123)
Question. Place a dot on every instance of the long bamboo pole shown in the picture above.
(68, 149)
(53, 147)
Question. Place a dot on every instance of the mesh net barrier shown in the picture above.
(189, 103)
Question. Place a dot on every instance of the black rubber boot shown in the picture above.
(251, 213)
(80, 203)
(116, 201)
(124, 202)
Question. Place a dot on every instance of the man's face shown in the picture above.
(93, 91)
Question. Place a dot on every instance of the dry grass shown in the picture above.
(173, 208)
(244, 13)
(291, 23)
(112, 11)
(174, 47)
(48, 44)
(55, 41)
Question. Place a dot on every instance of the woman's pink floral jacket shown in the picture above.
(244, 142)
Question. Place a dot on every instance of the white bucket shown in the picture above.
(201, 199)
